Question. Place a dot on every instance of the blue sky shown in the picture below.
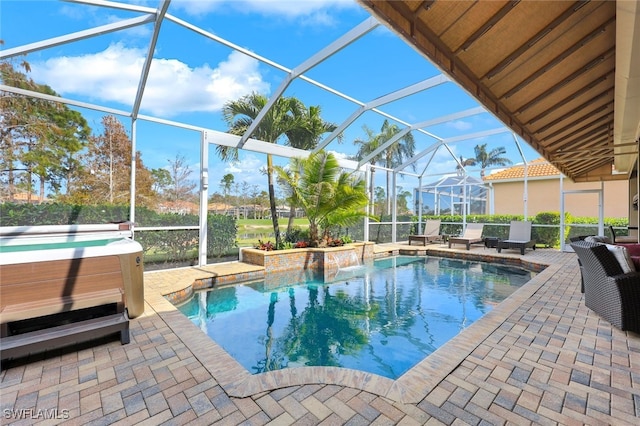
(192, 77)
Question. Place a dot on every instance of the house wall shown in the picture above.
(544, 196)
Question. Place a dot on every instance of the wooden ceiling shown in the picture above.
(547, 69)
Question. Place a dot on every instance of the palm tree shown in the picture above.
(460, 172)
(328, 196)
(464, 163)
(309, 128)
(239, 115)
(484, 158)
(491, 158)
(226, 183)
(394, 155)
(366, 147)
(397, 153)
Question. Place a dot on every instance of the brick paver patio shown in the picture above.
(540, 357)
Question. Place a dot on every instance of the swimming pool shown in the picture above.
(382, 319)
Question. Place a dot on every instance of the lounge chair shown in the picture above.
(608, 291)
(472, 235)
(431, 233)
(621, 238)
(519, 237)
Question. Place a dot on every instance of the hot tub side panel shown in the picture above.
(56, 285)
(132, 268)
(45, 282)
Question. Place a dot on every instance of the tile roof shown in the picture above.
(24, 196)
(179, 206)
(536, 168)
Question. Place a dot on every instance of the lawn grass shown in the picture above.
(264, 227)
(256, 229)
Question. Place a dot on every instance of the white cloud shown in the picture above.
(460, 125)
(441, 164)
(312, 10)
(248, 170)
(172, 88)
(196, 7)
(101, 16)
(233, 168)
(248, 164)
(341, 155)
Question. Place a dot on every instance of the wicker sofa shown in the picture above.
(634, 252)
(608, 291)
(632, 248)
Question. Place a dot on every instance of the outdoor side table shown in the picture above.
(491, 242)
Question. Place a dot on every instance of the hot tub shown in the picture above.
(70, 264)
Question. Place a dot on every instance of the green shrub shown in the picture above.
(548, 236)
(221, 234)
(296, 234)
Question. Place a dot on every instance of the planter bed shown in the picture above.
(317, 260)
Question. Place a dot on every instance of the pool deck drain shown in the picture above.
(538, 357)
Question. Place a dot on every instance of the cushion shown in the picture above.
(634, 248)
(598, 239)
(622, 255)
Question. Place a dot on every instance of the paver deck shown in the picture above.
(540, 357)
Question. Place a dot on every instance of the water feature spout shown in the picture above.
(353, 255)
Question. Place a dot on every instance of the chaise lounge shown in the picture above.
(431, 233)
(621, 238)
(472, 235)
(519, 237)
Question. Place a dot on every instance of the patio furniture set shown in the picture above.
(610, 267)
(610, 281)
(519, 236)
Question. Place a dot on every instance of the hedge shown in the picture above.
(159, 246)
(545, 230)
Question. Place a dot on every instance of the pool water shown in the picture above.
(382, 319)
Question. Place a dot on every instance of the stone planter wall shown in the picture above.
(316, 260)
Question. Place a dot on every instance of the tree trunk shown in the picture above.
(313, 233)
(68, 182)
(388, 194)
(272, 201)
(11, 184)
(29, 176)
(372, 192)
(41, 190)
(292, 213)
